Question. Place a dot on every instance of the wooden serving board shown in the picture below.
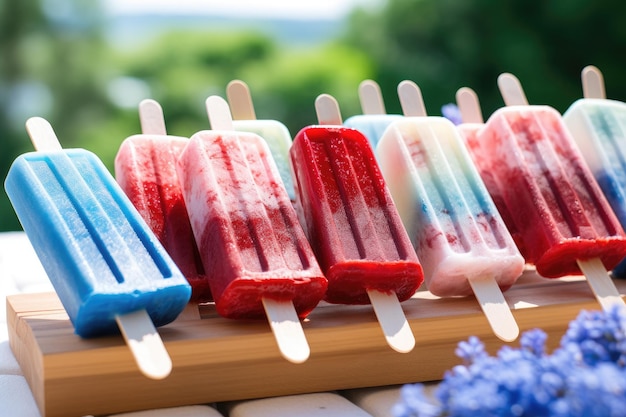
(217, 360)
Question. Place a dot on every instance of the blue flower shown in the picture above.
(471, 351)
(534, 341)
(451, 112)
(415, 403)
(594, 391)
(599, 336)
(585, 376)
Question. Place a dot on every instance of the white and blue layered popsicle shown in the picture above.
(454, 225)
(102, 259)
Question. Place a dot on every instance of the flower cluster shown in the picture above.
(585, 376)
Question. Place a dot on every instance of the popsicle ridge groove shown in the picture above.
(285, 218)
(377, 188)
(250, 239)
(84, 217)
(285, 235)
(358, 209)
(344, 193)
(542, 154)
(428, 154)
(484, 217)
(275, 211)
(588, 196)
(138, 230)
(154, 156)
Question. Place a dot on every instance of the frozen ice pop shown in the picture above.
(251, 243)
(106, 266)
(145, 168)
(565, 223)
(273, 132)
(454, 225)
(374, 120)
(598, 126)
(472, 122)
(352, 222)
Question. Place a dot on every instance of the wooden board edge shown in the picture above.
(327, 371)
(24, 346)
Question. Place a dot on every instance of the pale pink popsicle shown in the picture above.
(145, 168)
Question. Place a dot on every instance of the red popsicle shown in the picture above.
(565, 224)
(351, 220)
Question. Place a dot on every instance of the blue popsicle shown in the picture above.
(101, 257)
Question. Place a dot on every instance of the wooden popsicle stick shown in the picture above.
(597, 276)
(371, 98)
(511, 90)
(602, 286)
(593, 83)
(411, 99)
(145, 344)
(151, 118)
(287, 330)
(386, 306)
(485, 288)
(219, 113)
(42, 135)
(143, 340)
(468, 103)
(240, 100)
(281, 315)
(392, 320)
(495, 307)
(327, 110)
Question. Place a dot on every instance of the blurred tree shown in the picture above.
(444, 44)
(184, 68)
(51, 57)
(286, 88)
(61, 68)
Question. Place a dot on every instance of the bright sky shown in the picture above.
(294, 9)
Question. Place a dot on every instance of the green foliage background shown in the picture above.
(65, 63)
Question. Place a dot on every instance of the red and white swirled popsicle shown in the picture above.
(252, 246)
(565, 224)
(454, 225)
(352, 222)
(145, 168)
(598, 126)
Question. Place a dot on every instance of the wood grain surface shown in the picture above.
(216, 359)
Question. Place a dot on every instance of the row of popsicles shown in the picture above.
(110, 269)
(223, 210)
(220, 195)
